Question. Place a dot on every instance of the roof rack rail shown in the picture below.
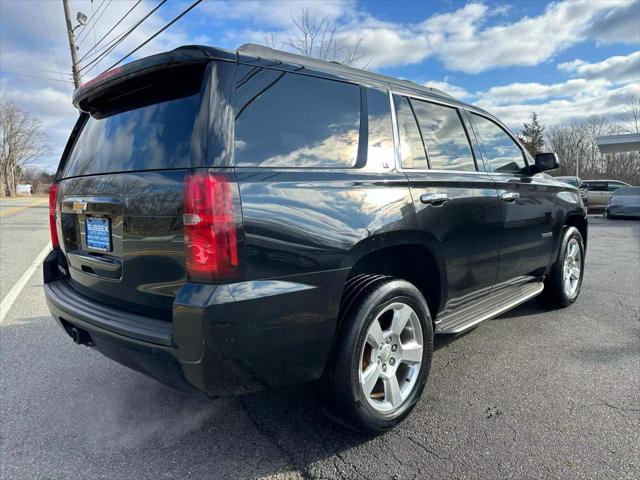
(272, 53)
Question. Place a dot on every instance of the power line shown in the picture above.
(38, 76)
(99, 58)
(110, 30)
(97, 19)
(92, 14)
(11, 65)
(46, 28)
(193, 5)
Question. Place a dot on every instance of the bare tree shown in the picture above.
(22, 140)
(577, 142)
(316, 37)
(631, 114)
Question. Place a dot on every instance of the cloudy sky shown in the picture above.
(565, 60)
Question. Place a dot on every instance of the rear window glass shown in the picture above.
(289, 120)
(157, 136)
(444, 137)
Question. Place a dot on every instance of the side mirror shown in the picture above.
(546, 161)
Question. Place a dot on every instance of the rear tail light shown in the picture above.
(53, 194)
(210, 227)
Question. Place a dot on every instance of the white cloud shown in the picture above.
(557, 103)
(527, 92)
(528, 41)
(618, 25)
(461, 39)
(617, 69)
(454, 90)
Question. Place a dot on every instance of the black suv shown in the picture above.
(230, 221)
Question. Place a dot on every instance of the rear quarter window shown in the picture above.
(297, 121)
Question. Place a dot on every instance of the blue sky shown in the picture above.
(566, 60)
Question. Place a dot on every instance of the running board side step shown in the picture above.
(490, 306)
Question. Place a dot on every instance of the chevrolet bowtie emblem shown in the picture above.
(80, 206)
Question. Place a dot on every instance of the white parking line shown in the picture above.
(15, 291)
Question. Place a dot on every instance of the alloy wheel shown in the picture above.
(572, 268)
(391, 357)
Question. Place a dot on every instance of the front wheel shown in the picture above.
(564, 281)
(382, 356)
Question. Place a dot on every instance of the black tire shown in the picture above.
(554, 292)
(346, 397)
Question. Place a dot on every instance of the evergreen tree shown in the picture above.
(532, 135)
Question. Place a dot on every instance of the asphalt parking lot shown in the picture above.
(532, 394)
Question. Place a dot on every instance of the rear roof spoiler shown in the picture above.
(189, 54)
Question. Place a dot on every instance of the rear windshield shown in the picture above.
(147, 129)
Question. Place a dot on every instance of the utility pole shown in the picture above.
(77, 80)
(578, 154)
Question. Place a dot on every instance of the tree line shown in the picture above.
(22, 141)
(577, 148)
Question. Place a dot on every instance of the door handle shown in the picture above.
(509, 196)
(435, 199)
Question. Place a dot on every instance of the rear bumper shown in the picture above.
(144, 344)
(223, 340)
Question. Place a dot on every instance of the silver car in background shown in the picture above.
(600, 191)
(624, 202)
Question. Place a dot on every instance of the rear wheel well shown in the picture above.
(413, 263)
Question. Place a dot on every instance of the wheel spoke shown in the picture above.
(575, 273)
(369, 377)
(400, 318)
(392, 391)
(374, 336)
(412, 353)
(573, 250)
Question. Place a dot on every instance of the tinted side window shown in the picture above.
(598, 187)
(289, 120)
(500, 152)
(612, 186)
(411, 147)
(380, 139)
(444, 137)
